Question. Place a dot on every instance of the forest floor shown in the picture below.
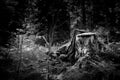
(105, 66)
(37, 65)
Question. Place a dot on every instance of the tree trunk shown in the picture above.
(83, 13)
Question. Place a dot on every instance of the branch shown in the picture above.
(76, 65)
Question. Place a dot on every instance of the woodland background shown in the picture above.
(31, 30)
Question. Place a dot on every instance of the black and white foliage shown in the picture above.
(59, 39)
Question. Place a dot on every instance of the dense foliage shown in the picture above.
(59, 39)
